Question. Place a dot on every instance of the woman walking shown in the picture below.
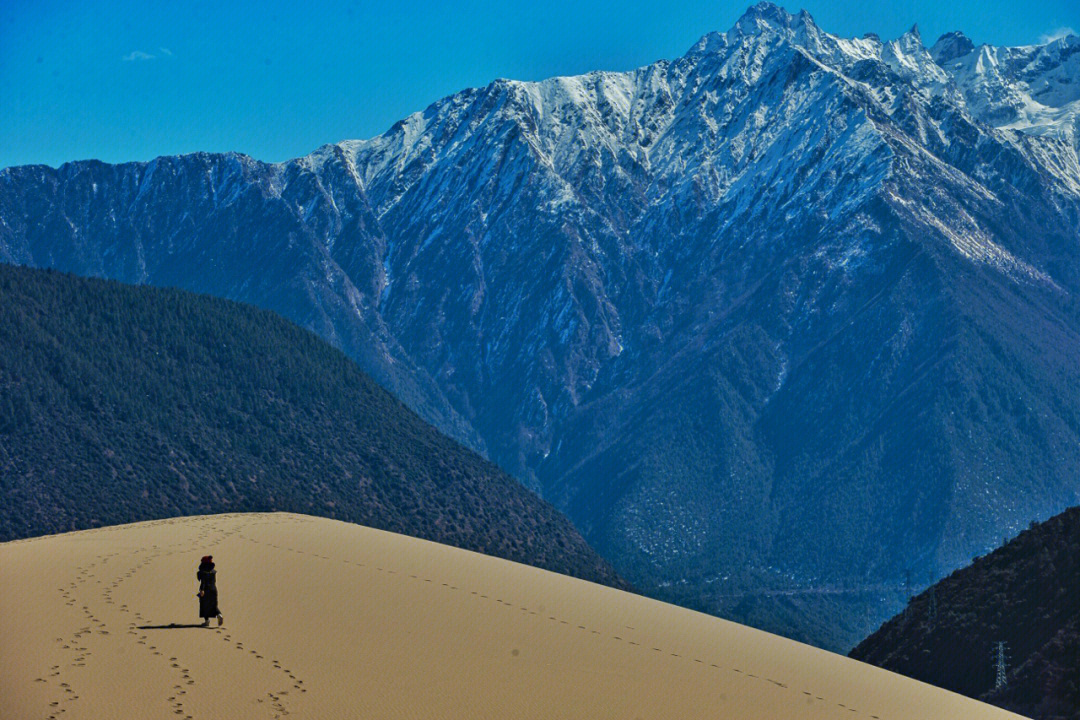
(207, 576)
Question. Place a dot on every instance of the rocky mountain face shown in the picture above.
(784, 325)
(1026, 595)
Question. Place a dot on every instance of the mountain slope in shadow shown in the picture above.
(121, 403)
(1025, 594)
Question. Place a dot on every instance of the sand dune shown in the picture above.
(329, 620)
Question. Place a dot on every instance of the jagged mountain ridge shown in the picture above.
(722, 310)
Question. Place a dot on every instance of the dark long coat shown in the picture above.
(207, 577)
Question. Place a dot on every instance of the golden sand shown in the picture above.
(324, 620)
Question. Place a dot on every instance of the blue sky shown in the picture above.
(132, 79)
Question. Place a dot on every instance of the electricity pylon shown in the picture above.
(1000, 659)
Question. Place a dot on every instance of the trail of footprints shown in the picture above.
(180, 689)
(77, 652)
(276, 700)
(843, 708)
(87, 574)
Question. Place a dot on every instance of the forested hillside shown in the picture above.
(122, 403)
(1026, 595)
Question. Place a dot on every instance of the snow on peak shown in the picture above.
(700, 121)
(763, 17)
(1032, 89)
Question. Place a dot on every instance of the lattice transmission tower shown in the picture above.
(1000, 663)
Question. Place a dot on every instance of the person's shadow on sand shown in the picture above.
(172, 626)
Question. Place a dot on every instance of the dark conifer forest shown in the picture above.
(1026, 595)
(121, 403)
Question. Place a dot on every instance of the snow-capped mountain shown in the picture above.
(778, 323)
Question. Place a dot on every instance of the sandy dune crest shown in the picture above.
(325, 619)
